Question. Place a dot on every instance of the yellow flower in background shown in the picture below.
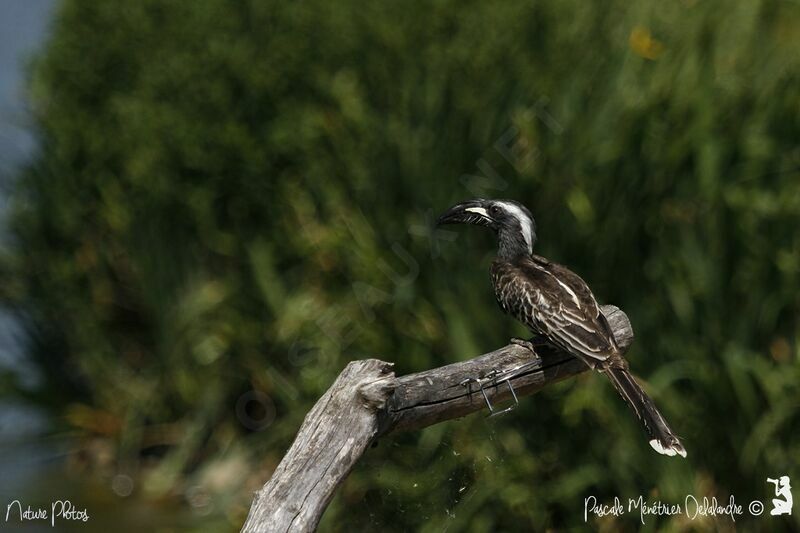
(642, 42)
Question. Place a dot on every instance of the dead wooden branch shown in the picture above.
(367, 401)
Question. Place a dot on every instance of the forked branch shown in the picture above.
(367, 401)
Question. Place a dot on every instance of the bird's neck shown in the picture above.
(512, 246)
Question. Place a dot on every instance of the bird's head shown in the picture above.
(511, 221)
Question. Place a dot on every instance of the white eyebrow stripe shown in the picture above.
(480, 210)
(524, 221)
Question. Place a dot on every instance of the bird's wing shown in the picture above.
(565, 310)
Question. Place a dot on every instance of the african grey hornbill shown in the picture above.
(557, 305)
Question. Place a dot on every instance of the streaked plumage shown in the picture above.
(554, 302)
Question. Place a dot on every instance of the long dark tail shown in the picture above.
(662, 439)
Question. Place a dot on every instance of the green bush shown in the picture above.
(236, 197)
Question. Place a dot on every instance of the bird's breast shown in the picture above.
(514, 295)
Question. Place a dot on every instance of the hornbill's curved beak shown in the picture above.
(469, 212)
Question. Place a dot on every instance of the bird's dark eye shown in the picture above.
(494, 210)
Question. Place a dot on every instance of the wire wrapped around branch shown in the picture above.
(367, 401)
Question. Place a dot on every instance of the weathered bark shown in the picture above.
(367, 401)
(333, 437)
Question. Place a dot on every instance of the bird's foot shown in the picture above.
(530, 344)
(492, 379)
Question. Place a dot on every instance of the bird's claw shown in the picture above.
(491, 377)
(522, 342)
(529, 344)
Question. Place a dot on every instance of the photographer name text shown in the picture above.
(692, 507)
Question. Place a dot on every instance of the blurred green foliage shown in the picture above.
(238, 196)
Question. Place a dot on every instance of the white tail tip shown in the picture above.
(672, 451)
